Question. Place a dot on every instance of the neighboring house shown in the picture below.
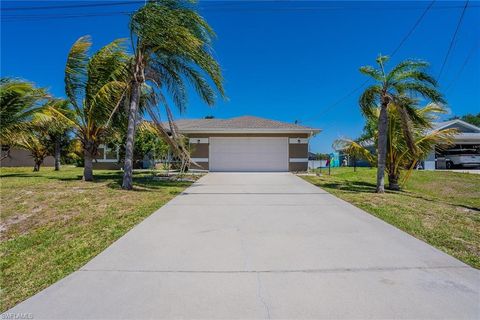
(107, 158)
(22, 158)
(464, 153)
(247, 144)
(314, 162)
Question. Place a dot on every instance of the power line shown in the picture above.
(234, 6)
(413, 28)
(90, 5)
(464, 64)
(230, 5)
(404, 39)
(29, 18)
(453, 39)
(213, 7)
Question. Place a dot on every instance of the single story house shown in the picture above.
(237, 144)
(465, 152)
(247, 144)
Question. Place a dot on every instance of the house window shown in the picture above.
(106, 154)
(111, 154)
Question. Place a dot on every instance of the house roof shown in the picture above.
(240, 124)
(446, 124)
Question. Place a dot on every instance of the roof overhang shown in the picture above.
(470, 137)
(458, 121)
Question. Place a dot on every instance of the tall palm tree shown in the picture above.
(19, 101)
(393, 88)
(171, 46)
(95, 86)
(399, 155)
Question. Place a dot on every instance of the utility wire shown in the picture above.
(211, 8)
(452, 41)
(464, 64)
(350, 93)
(413, 28)
(234, 6)
(90, 5)
(29, 18)
(239, 5)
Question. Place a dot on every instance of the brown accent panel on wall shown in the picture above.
(298, 150)
(199, 150)
(201, 166)
(298, 166)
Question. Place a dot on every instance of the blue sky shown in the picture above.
(281, 60)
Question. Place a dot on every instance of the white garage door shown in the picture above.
(248, 154)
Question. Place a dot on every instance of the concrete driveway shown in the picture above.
(261, 246)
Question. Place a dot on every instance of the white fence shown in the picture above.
(314, 164)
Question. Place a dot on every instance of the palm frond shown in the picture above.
(416, 75)
(76, 71)
(372, 72)
(415, 88)
(406, 65)
(370, 99)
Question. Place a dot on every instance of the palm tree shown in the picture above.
(58, 127)
(393, 88)
(19, 101)
(171, 46)
(34, 138)
(95, 87)
(399, 154)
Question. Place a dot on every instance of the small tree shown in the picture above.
(399, 155)
(34, 138)
(95, 87)
(19, 101)
(58, 137)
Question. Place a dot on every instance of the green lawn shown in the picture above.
(441, 208)
(53, 223)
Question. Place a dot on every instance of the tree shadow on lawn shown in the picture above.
(367, 187)
(142, 181)
(349, 186)
(425, 198)
(148, 184)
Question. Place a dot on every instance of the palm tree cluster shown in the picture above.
(110, 91)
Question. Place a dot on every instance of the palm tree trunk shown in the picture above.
(382, 147)
(393, 181)
(57, 154)
(132, 119)
(36, 166)
(88, 163)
